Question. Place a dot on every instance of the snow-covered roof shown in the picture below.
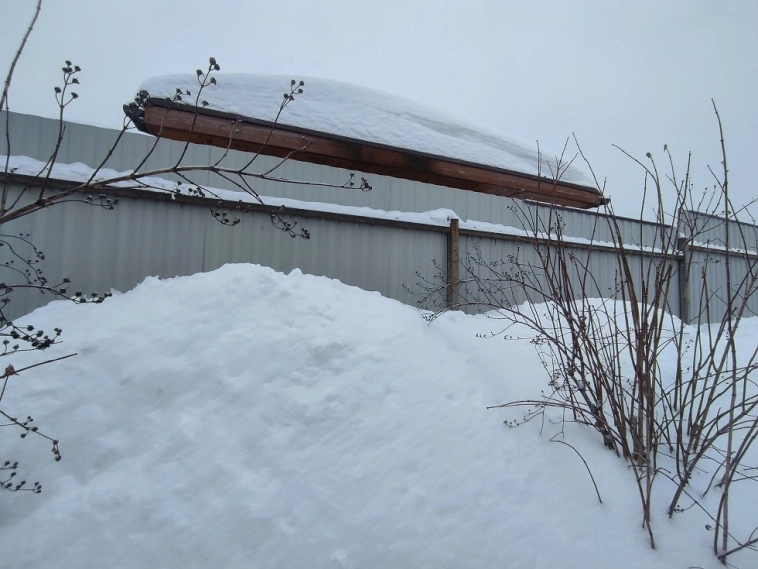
(368, 115)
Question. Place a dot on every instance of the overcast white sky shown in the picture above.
(638, 74)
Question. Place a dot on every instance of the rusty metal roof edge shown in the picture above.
(289, 128)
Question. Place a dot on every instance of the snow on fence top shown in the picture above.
(368, 115)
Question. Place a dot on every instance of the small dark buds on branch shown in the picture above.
(295, 89)
(68, 79)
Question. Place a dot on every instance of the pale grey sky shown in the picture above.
(638, 74)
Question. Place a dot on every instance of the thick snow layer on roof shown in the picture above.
(368, 115)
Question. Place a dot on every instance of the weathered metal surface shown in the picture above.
(507, 273)
(182, 123)
(708, 288)
(103, 250)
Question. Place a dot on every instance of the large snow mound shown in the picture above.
(368, 115)
(245, 418)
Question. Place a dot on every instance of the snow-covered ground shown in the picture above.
(245, 418)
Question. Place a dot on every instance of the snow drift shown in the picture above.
(244, 418)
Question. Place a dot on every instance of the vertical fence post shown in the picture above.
(683, 269)
(453, 262)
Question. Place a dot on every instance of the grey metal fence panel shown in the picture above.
(599, 228)
(496, 270)
(484, 263)
(707, 283)
(100, 250)
(707, 288)
(710, 230)
(145, 237)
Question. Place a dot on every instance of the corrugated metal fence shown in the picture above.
(151, 235)
(708, 281)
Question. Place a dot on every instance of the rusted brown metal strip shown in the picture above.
(250, 136)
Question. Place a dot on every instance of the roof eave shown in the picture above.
(203, 126)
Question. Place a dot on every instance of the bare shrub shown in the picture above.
(608, 308)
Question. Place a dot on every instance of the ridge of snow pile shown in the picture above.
(246, 418)
(368, 115)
